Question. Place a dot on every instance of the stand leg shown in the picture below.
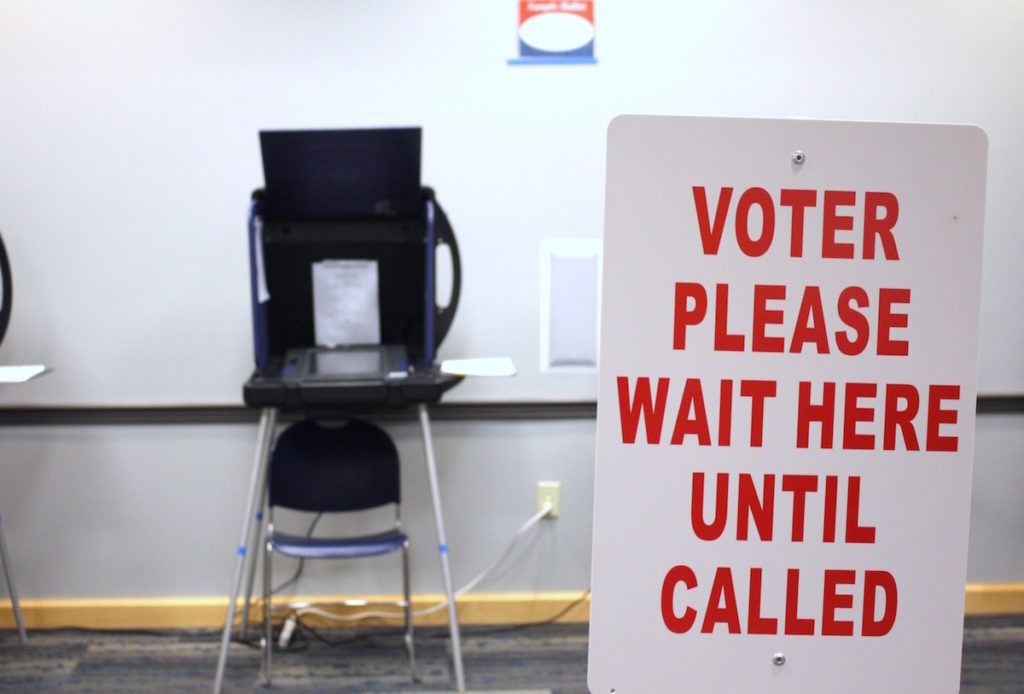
(10, 587)
(260, 531)
(435, 497)
(256, 485)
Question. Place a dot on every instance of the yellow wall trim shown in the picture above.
(483, 608)
(994, 598)
(210, 612)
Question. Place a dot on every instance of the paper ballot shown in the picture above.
(20, 374)
(346, 305)
(486, 366)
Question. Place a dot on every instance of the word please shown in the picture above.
(807, 329)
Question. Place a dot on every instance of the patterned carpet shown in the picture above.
(530, 660)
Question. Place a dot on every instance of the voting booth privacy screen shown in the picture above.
(343, 246)
(786, 405)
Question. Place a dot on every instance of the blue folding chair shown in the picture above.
(317, 468)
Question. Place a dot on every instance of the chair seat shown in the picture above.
(338, 547)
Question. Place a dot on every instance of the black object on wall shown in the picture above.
(5, 306)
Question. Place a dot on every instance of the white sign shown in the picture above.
(786, 410)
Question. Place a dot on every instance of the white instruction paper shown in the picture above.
(346, 306)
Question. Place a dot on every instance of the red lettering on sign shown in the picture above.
(834, 222)
(712, 530)
(822, 414)
(748, 244)
(839, 588)
(756, 624)
(873, 582)
(697, 424)
(828, 531)
(809, 326)
(899, 409)
(810, 323)
(675, 576)
(725, 412)
(724, 341)
(855, 532)
(759, 507)
(938, 416)
(692, 414)
(758, 392)
(852, 318)
(880, 226)
(630, 409)
(711, 235)
(691, 306)
(799, 201)
(854, 414)
(834, 600)
(795, 624)
(902, 418)
(872, 415)
(763, 293)
(880, 214)
(799, 486)
(887, 320)
(722, 607)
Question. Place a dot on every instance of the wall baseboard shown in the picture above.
(994, 598)
(209, 612)
(480, 609)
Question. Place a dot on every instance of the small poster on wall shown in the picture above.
(555, 32)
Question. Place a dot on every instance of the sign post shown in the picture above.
(785, 430)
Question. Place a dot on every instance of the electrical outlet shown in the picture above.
(547, 493)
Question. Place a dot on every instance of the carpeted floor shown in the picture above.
(534, 660)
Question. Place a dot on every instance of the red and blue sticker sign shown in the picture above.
(555, 31)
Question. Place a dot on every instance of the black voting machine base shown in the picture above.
(399, 246)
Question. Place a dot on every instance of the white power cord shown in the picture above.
(533, 520)
(288, 629)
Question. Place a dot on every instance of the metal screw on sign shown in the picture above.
(799, 157)
(779, 659)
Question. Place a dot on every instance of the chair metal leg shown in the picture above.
(10, 587)
(268, 627)
(410, 644)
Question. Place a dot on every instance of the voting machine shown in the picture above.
(343, 244)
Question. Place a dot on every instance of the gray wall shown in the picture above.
(157, 510)
(127, 152)
(108, 511)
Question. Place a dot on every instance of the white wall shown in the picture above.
(128, 149)
(128, 137)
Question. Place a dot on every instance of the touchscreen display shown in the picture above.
(350, 362)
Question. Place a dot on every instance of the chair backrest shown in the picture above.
(351, 467)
